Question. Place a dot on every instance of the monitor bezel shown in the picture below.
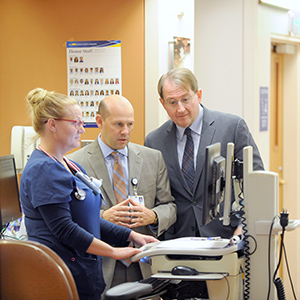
(213, 183)
(4, 220)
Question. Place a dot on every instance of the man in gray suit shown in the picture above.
(181, 98)
(146, 180)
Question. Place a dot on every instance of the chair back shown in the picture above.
(30, 270)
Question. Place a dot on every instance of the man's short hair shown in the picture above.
(182, 77)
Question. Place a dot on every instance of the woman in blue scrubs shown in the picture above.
(61, 210)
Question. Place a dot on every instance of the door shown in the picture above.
(276, 120)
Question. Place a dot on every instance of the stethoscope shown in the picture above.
(91, 182)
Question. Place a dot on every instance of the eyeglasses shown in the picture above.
(172, 103)
(77, 123)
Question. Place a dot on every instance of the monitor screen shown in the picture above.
(10, 208)
(214, 182)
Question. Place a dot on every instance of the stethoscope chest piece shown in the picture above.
(80, 194)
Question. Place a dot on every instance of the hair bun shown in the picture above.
(35, 96)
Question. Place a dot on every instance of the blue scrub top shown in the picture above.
(56, 218)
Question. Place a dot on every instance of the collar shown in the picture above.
(106, 150)
(196, 127)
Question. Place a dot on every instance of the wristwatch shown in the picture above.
(156, 219)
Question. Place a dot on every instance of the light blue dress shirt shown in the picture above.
(109, 160)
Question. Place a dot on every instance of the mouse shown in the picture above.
(183, 270)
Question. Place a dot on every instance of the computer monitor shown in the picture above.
(228, 184)
(214, 182)
(10, 207)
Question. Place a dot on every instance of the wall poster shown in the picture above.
(94, 72)
(263, 112)
(182, 52)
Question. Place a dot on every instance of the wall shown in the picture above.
(226, 61)
(33, 34)
(219, 54)
(162, 23)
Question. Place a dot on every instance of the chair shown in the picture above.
(30, 270)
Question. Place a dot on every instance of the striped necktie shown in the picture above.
(119, 185)
(188, 159)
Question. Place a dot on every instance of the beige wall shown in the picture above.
(33, 34)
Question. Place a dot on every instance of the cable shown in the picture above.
(288, 270)
(269, 257)
(246, 247)
(228, 287)
(280, 288)
(2, 232)
(277, 281)
(14, 229)
(284, 220)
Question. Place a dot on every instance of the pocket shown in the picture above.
(87, 273)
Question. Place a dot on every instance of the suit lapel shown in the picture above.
(206, 138)
(135, 162)
(171, 146)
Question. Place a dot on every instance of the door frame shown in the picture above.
(291, 157)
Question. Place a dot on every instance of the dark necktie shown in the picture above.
(188, 159)
(119, 185)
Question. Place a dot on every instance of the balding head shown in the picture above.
(115, 118)
(110, 103)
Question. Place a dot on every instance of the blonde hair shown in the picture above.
(45, 105)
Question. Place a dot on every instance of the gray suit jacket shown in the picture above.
(145, 164)
(217, 127)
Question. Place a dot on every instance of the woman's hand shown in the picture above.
(125, 252)
(138, 239)
(141, 239)
(101, 248)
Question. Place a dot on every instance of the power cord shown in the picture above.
(246, 241)
(269, 257)
(289, 273)
(284, 215)
(241, 212)
(284, 220)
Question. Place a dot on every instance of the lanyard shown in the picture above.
(91, 182)
(68, 162)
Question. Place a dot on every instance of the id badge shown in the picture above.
(138, 199)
